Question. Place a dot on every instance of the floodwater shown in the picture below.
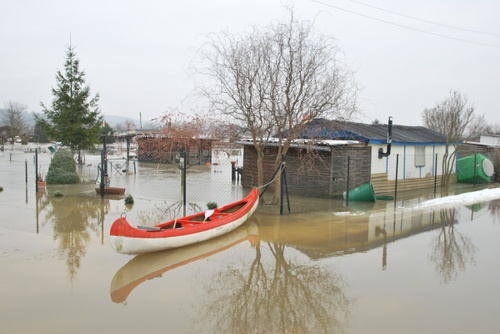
(323, 268)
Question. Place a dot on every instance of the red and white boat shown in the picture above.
(188, 230)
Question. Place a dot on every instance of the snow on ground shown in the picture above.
(462, 199)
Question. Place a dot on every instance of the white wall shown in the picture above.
(490, 140)
(406, 161)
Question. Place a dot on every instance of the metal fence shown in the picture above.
(151, 184)
(158, 186)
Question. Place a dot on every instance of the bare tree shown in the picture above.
(14, 117)
(457, 120)
(490, 128)
(180, 132)
(272, 79)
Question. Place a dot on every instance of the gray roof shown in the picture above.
(371, 133)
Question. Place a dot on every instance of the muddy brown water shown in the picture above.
(323, 268)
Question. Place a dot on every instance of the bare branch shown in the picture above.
(271, 79)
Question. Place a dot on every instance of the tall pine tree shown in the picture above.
(74, 118)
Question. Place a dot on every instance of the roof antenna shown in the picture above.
(381, 153)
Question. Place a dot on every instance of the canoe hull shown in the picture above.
(126, 239)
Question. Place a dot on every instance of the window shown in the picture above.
(419, 156)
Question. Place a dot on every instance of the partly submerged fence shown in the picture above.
(145, 181)
(217, 182)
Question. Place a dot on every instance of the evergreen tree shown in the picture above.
(62, 169)
(74, 117)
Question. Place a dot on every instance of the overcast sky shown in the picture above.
(408, 55)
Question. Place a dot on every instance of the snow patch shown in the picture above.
(462, 199)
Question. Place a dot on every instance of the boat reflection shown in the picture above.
(144, 267)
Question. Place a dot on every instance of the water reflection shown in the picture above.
(494, 209)
(452, 251)
(284, 286)
(165, 211)
(74, 219)
(144, 267)
(398, 223)
(276, 294)
(273, 290)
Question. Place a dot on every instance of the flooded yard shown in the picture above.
(380, 267)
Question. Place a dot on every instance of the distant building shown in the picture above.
(488, 139)
(156, 148)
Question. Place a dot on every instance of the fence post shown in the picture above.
(475, 169)
(281, 183)
(184, 169)
(233, 171)
(26, 171)
(36, 170)
(347, 181)
(436, 173)
(396, 180)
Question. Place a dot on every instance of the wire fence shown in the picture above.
(159, 187)
(152, 184)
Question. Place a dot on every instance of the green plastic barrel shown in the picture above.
(363, 193)
(482, 172)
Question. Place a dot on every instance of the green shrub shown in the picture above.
(211, 205)
(58, 194)
(129, 199)
(62, 169)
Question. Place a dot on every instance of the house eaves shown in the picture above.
(372, 133)
(320, 144)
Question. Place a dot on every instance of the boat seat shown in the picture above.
(149, 228)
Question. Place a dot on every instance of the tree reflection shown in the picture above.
(452, 251)
(164, 212)
(494, 209)
(277, 296)
(74, 219)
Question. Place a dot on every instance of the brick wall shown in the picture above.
(321, 174)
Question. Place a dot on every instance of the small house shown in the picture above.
(331, 156)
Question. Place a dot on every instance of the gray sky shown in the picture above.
(136, 54)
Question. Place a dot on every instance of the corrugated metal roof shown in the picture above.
(371, 133)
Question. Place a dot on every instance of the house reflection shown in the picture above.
(336, 234)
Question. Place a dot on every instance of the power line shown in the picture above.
(406, 27)
(426, 21)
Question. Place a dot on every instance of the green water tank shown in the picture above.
(474, 169)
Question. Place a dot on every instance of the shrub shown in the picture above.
(62, 169)
(211, 205)
(58, 194)
(129, 199)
